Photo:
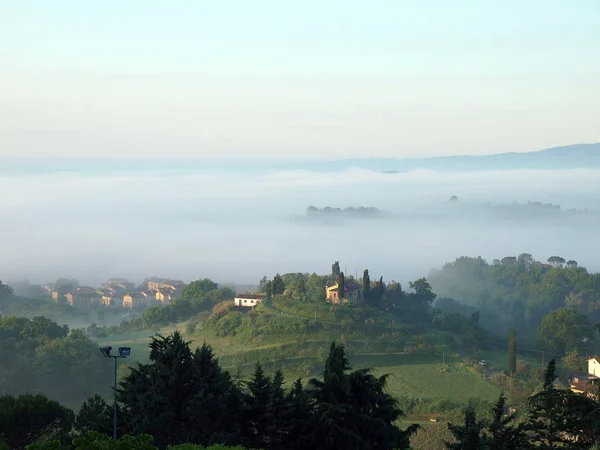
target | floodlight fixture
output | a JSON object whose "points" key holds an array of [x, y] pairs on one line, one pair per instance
{"points": [[106, 351], [124, 351]]}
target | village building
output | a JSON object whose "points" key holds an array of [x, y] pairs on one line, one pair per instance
{"points": [[83, 296], [582, 383], [156, 284], [352, 292], [132, 300], [248, 300]]}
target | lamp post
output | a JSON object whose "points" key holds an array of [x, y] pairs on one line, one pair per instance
{"points": [[123, 352]]}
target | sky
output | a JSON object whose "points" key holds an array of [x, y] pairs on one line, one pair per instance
{"points": [[311, 79]]}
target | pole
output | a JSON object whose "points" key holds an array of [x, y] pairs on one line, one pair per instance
{"points": [[542, 359], [115, 403]]}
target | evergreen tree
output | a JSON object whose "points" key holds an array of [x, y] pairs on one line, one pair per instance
{"points": [[179, 395], [95, 415], [381, 289], [503, 436], [335, 269], [298, 417], [547, 418], [214, 407], [366, 285], [257, 414], [512, 352], [269, 289], [278, 286], [467, 436], [352, 410], [341, 286]]}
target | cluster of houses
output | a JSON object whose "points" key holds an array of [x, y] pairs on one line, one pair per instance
{"points": [[352, 293], [119, 292]]}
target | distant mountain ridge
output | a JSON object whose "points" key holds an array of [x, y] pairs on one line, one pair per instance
{"points": [[579, 156]]}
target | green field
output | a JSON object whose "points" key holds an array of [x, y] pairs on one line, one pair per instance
{"points": [[416, 376]]}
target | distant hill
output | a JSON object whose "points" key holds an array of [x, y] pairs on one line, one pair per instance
{"points": [[567, 157]]}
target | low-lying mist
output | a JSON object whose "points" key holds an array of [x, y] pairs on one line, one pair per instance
{"points": [[239, 226]]}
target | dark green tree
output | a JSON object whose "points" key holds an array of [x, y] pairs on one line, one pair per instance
{"points": [[257, 417], [278, 285], [467, 436], [269, 289], [28, 418], [352, 410], [335, 269], [556, 415], [501, 433], [380, 289], [366, 285], [341, 286], [512, 352], [297, 417], [214, 407], [95, 415], [196, 292], [156, 396]]}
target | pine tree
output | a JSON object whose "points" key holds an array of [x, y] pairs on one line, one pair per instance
{"points": [[366, 284], [503, 436], [546, 416], [512, 352], [341, 286], [257, 415], [467, 436], [381, 287], [352, 410], [95, 415]]}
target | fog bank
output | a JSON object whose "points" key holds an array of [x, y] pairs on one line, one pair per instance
{"points": [[236, 226]]}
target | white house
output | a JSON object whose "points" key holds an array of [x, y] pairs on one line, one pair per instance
{"points": [[248, 300], [594, 366]]}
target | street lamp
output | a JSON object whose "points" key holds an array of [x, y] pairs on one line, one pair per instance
{"points": [[123, 352]]}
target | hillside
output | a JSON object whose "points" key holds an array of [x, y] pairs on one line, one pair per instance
{"points": [[567, 157]]}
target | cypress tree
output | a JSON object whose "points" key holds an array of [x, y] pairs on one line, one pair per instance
{"points": [[269, 289], [341, 285], [512, 352], [366, 285], [381, 289]]}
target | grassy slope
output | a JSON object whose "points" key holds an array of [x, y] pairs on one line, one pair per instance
{"points": [[417, 376]]}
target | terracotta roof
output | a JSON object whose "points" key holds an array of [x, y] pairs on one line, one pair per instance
{"points": [[349, 286]]}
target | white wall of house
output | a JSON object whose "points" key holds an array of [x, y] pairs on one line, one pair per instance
{"points": [[248, 302], [594, 367]]}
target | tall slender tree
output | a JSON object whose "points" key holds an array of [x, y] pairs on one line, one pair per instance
{"points": [[366, 285], [341, 285], [269, 288], [352, 410], [467, 436], [512, 352]]}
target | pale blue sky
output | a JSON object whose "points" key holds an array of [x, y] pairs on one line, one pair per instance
{"points": [[297, 78]]}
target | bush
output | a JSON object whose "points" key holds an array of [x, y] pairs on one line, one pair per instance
{"points": [[523, 367]]}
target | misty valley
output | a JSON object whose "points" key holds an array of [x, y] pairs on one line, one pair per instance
{"points": [[459, 304]]}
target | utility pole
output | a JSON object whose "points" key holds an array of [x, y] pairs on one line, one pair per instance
{"points": [[542, 359]]}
